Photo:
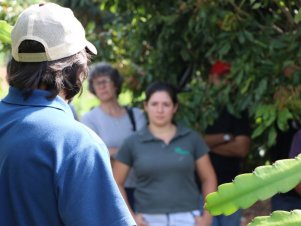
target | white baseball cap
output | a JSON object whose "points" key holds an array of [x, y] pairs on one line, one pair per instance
{"points": [[55, 27]]}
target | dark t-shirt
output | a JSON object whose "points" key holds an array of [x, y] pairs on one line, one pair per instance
{"points": [[282, 148], [227, 168]]}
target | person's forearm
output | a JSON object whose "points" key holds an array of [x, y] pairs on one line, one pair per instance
{"points": [[238, 147], [213, 140], [230, 149], [123, 193], [208, 186]]}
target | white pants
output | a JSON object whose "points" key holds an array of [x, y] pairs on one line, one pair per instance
{"points": [[171, 219]]}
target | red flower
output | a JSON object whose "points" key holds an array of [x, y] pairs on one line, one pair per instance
{"points": [[220, 68]]}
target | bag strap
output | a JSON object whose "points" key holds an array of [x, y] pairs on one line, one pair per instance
{"points": [[130, 112]]}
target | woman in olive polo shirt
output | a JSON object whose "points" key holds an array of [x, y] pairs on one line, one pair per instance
{"points": [[165, 157]]}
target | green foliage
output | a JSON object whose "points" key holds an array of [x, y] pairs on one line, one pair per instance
{"points": [[279, 218], [9, 11], [5, 30], [248, 188], [178, 41]]}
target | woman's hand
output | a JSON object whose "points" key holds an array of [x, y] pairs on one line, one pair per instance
{"points": [[140, 220], [202, 221]]}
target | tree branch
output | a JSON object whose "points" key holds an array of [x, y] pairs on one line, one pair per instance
{"points": [[278, 29], [287, 14], [239, 10]]}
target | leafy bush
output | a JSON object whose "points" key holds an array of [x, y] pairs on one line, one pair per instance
{"points": [[178, 41]]}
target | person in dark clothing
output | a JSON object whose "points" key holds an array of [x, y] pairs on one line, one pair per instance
{"points": [[228, 139], [281, 150], [229, 142]]}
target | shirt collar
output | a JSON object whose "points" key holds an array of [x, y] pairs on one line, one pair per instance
{"points": [[38, 98], [145, 134]]}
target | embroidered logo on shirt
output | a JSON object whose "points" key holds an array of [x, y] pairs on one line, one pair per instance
{"points": [[181, 151]]}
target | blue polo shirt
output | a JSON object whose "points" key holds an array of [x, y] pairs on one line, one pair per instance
{"points": [[53, 170]]}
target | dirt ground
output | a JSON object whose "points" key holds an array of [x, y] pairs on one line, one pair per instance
{"points": [[260, 208]]}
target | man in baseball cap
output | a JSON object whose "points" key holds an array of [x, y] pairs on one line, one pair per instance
{"points": [[54, 171]]}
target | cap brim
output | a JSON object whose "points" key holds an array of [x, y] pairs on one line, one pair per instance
{"points": [[91, 48]]}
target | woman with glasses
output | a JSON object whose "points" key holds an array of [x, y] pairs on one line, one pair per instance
{"points": [[111, 121]]}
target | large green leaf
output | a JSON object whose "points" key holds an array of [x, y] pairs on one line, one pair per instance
{"points": [[246, 189], [5, 30], [283, 117], [279, 218]]}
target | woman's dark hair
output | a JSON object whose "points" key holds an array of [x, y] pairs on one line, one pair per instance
{"points": [[105, 69], [63, 75], [162, 86]]}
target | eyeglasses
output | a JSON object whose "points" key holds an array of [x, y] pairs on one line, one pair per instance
{"points": [[101, 83]]}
